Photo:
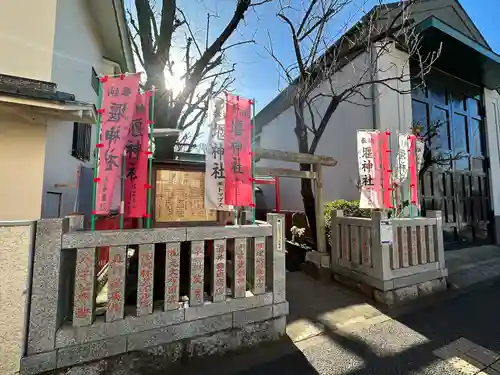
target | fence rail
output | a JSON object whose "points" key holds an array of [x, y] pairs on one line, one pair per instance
{"points": [[232, 275]]}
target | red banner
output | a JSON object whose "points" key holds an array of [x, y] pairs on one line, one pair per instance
{"points": [[118, 104], [412, 166], [136, 159], [238, 152], [386, 171], [377, 161]]}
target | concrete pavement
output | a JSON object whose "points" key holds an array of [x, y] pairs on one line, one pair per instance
{"points": [[458, 336]]}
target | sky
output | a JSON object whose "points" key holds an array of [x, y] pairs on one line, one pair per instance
{"points": [[257, 74]]}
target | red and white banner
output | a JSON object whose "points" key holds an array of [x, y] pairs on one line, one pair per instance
{"points": [[386, 170], [136, 160], [369, 164], [118, 105], [238, 152]]}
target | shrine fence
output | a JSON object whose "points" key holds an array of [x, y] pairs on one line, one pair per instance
{"points": [[388, 254], [241, 282]]}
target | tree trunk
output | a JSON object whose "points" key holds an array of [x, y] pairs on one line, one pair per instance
{"points": [[309, 201], [164, 146], [306, 186]]}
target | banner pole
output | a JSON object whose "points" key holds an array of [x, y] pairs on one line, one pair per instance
{"points": [[150, 160], [122, 190], [96, 156], [254, 208], [391, 178], [409, 184]]}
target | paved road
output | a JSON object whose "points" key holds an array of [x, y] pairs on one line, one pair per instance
{"points": [[403, 345]]}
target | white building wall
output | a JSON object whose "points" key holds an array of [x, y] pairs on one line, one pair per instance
{"points": [[77, 50], [492, 103], [338, 141], [393, 110]]}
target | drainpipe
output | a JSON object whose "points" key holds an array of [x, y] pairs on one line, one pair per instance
{"points": [[121, 22]]}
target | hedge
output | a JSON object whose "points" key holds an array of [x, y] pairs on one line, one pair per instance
{"points": [[350, 208]]}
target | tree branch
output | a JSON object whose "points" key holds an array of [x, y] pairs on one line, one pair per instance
{"points": [[166, 29], [200, 65], [143, 10]]}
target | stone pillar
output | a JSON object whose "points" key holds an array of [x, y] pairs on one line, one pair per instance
{"points": [[75, 222], [16, 251], [275, 260], [276, 271], [44, 315], [335, 237], [68, 268], [438, 237], [380, 251]]}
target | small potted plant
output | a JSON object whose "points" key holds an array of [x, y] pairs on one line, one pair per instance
{"points": [[296, 249]]}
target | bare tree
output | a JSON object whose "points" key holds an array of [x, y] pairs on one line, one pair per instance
{"points": [[156, 27], [320, 54], [433, 154]]}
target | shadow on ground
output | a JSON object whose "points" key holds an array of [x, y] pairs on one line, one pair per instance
{"points": [[334, 330], [264, 359], [314, 305]]}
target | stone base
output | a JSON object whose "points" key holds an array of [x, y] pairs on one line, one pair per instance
{"points": [[316, 272], [397, 296], [317, 266], [410, 293], [162, 357], [366, 289]]}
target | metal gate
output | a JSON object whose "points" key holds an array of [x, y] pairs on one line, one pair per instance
{"points": [[459, 189]]}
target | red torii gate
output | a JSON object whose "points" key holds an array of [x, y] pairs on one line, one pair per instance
{"points": [[275, 180]]}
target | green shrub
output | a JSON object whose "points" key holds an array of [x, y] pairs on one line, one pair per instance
{"points": [[350, 208]]}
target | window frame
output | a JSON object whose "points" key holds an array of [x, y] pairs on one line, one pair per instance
{"points": [[81, 150]]}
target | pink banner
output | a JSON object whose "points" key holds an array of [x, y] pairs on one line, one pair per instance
{"points": [[118, 103], [136, 160], [412, 166], [238, 152], [386, 171]]}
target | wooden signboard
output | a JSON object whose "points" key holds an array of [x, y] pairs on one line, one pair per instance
{"points": [[179, 194]]}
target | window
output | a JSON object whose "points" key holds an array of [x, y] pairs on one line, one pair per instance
{"points": [[82, 134], [95, 81]]}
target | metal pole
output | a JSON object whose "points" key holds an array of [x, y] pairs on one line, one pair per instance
{"points": [[150, 167], [96, 156], [254, 208], [122, 190]]}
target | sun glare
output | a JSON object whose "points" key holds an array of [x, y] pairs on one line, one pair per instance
{"points": [[174, 82]]}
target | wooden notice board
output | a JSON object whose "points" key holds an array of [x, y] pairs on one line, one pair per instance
{"points": [[179, 194]]}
